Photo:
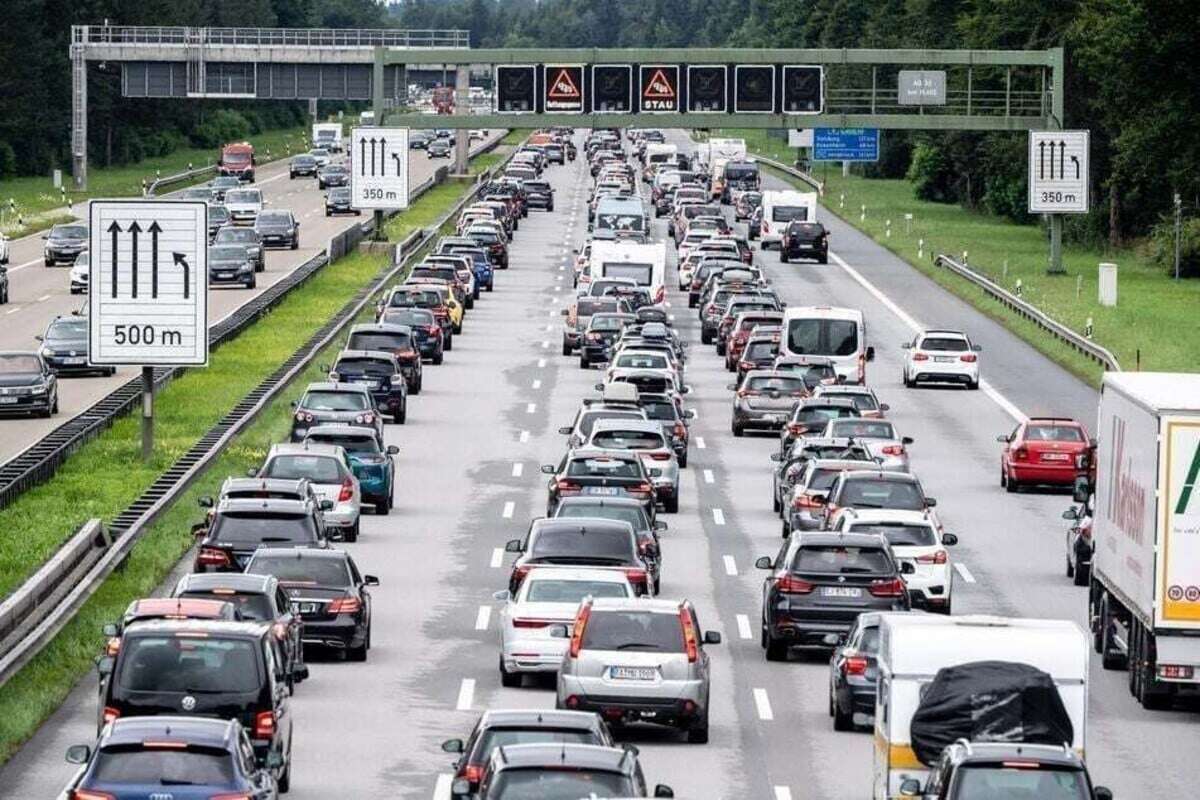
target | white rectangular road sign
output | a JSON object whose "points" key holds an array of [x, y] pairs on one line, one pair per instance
{"points": [[1058, 172], [379, 168], [148, 293]]}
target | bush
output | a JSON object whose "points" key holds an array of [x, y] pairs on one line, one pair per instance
{"points": [[220, 127], [932, 173], [1162, 247]]}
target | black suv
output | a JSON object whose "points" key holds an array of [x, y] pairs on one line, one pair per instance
{"points": [[229, 670], [1027, 770], [380, 372], [339, 201], [580, 542], [819, 584], [328, 403], [399, 340], [249, 237], [239, 527], [804, 240], [426, 330]]}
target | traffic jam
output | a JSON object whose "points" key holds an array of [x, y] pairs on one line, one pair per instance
{"points": [[679, 272]]}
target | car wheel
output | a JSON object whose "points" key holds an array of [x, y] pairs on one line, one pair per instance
{"points": [[1081, 576], [253, 284], [785, 529], [842, 722], [438, 357], [683, 460], [1110, 657], [783, 256], [490, 287], [584, 363], [1070, 567], [296, 243], [705, 337], [698, 733], [738, 430], [509, 680], [823, 260], [972, 385], [1011, 485], [285, 780], [449, 345], [402, 417], [359, 654], [352, 534], [672, 504], [776, 650], [54, 406], [692, 303], [1003, 477], [566, 348], [721, 348], [456, 328], [657, 585]]}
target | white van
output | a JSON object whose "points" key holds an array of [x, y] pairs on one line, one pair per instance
{"points": [[644, 263], [838, 333], [913, 647], [780, 208], [659, 154]]}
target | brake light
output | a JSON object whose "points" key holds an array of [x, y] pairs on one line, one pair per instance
{"points": [[805, 501], [530, 623], [746, 392], [893, 450], [745, 366], [347, 492], [1021, 454], [344, 605], [854, 665], [434, 330], [472, 773], [234, 796], [564, 485], [89, 794], [661, 456], [212, 557], [264, 725], [932, 558], [519, 574], [641, 489], [797, 427], [892, 587], [862, 368], [790, 584], [970, 358], [689, 635], [110, 714], [660, 295], [581, 621], [407, 354], [765, 227], [636, 576], [920, 357]]}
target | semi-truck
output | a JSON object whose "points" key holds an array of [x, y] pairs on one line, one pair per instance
{"points": [[328, 135], [1144, 590]]}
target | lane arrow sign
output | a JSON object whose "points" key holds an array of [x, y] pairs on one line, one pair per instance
{"points": [[155, 230], [382, 157], [372, 155], [399, 164], [181, 261], [1041, 160], [135, 229], [114, 229], [362, 156], [1062, 157], [1075, 161]]}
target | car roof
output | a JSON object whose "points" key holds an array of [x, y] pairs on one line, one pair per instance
{"points": [[879, 474], [590, 756], [380, 327], [943, 332], [1059, 755], [883, 515], [655, 605], [217, 733], [375, 355], [335, 429], [235, 484], [543, 718], [247, 582], [825, 538], [600, 452], [843, 464], [770, 373], [581, 525], [305, 553], [632, 423], [242, 628], [267, 505]]}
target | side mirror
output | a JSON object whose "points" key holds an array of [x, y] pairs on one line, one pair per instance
{"points": [[45, 236], [910, 787], [453, 746], [1093, 442], [599, 387], [370, 580], [104, 665], [200, 529], [558, 631], [565, 313], [930, 502], [1082, 489], [252, 473], [1102, 793], [1002, 438], [662, 790], [110, 629], [40, 338], [549, 469], [870, 354], [513, 546], [712, 637], [731, 387], [275, 760], [205, 502], [977, 348], [78, 753], [503, 594], [949, 539], [689, 414], [327, 505], [905, 345], [776, 456], [660, 524], [300, 673], [1071, 513], [686, 390], [884, 407], [906, 440], [907, 568], [764, 562]]}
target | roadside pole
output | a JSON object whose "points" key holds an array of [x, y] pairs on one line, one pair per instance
{"points": [[377, 108], [462, 136]]}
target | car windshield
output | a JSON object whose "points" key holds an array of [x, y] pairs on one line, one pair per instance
{"points": [[862, 429], [900, 534], [944, 344], [217, 213], [599, 323], [631, 514], [559, 591], [839, 560], [364, 340], [189, 664], [878, 493], [228, 253], [243, 196], [363, 366], [252, 606], [339, 193], [19, 362], [238, 527], [823, 337], [318, 469], [67, 329], [69, 232], [304, 161], [237, 235], [290, 570], [483, 235], [583, 542], [275, 218], [334, 401], [998, 781], [628, 440], [633, 631], [603, 467], [132, 765], [352, 444], [543, 784], [1053, 433]]}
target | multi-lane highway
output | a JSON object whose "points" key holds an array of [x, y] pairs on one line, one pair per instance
{"points": [[468, 480], [38, 293]]}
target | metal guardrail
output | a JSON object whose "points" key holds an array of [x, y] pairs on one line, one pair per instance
{"points": [[1082, 344], [790, 170], [178, 177], [268, 37]]}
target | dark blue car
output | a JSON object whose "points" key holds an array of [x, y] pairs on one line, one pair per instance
{"points": [[184, 758], [482, 266]]}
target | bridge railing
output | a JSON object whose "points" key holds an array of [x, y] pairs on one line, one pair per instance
{"points": [[267, 37]]}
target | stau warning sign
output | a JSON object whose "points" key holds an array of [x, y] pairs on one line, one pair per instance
{"points": [[660, 88], [564, 88]]}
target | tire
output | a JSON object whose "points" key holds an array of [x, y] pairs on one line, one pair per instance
{"points": [[692, 303], [698, 733], [683, 459], [439, 358], [285, 780], [449, 344], [584, 363], [842, 722], [359, 654], [253, 284], [705, 337], [783, 256], [785, 529], [416, 387], [737, 430], [566, 349], [509, 680], [671, 504], [490, 287], [1082, 575], [296, 243], [973, 385], [1011, 485], [823, 260], [456, 328], [352, 534], [382, 506], [402, 417], [1070, 568], [776, 650], [1004, 479], [1110, 658], [722, 346], [776, 506]]}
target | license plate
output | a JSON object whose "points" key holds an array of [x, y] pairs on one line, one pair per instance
{"points": [[1056, 456], [633, 673], [7, 401], [772, 418], [943, 359], [362, 382], [609, 490], [308, 608], [841, 591], [74, 360], [224, 275]]}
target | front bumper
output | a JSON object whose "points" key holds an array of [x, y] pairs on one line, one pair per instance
{"points": [[64, 363], [24, 404], [230, 277], [68, 255], [278, 239]]}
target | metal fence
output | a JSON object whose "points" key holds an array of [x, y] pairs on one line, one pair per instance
{"points": [[267, 37]]}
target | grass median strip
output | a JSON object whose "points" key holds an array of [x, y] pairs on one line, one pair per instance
{"points": [[106, 475]]}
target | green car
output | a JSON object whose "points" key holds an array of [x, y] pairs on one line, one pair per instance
{"points": [[371, 463]]}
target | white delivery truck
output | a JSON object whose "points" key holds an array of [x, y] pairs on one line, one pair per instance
{"points": [[782, 207], [328, 135], [658, 154], [1144, 599], [644, 263], [720, 152], [913, 647]]}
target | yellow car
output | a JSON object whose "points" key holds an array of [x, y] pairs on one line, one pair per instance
{"points": [[454, 308]]}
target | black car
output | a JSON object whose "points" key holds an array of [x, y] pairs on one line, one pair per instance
{"points": [[231, 264], [540, 194], [804, 240], [820, 582], [339, 201], [221, 184], [810, 415], [65, 347], [218, 217], [622, 509], [334, 403], [602, 473], [64, 242], [333, 175], [439, 148], [278, 228], [426, 331], [27, 385], [239, 527], [248, 238], [597, 339], [328, 592], [399, 340], [303, 164], [419, 140], [4, 285], [590, 542], [258, 598], [203, 668], [380, 373], [854, 675]]}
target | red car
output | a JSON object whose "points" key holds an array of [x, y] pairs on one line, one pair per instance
{"points": [[1047, 451]]}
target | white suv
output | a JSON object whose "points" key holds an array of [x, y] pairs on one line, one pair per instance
{"points": [[946, 356], [918, 547]]}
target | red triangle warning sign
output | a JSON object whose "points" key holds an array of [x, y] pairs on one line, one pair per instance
{"points": [[563, 87], [659, 88]]}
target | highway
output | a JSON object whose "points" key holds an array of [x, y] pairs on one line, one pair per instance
{"points": [[38, 293], [469, 480]]}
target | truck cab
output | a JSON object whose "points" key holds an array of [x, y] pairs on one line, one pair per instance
{"points": [[237, 159], [1003, 769]]}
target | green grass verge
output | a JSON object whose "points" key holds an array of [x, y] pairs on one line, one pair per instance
{"points": [[106, 474], [1155, 317], [516, 135]]}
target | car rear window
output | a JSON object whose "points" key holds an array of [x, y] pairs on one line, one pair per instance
{"points": [[351, 444], [587, 307], [294, 571], [538, 782], [227, 253], [604, 468], [628, 440], [642, 361], [823, 413], [407, 317], [863, 402], [589, 542], [251, 606], [823, 479], [863, 429], [633, 631], [769, 383], [173, 767], [661, 410], [379, 341], [806, 229], [839, 560], [334, 401], [762, 350], [900, 534], [190, 664], [872, 493], [631, 514], [943, 344], [318, 469], [367, 366], [255, 528], [1053, 433], [558, 591]]}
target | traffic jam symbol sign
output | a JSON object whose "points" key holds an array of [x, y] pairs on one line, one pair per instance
{"points": [[563, 91], [1058, 172], [660, 89], [148, 303], [379, 168]]}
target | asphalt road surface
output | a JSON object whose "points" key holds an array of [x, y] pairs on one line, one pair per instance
{"points": [[469, 481]]}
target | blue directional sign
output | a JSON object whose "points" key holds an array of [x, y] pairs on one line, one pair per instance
{"points": [[846, 144]]}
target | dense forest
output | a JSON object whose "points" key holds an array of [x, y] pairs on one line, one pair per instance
{"points": [[1132, 78]]}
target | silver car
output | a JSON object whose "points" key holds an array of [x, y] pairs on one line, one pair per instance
{"points": [[651, 443], [638, 660], [327, 467], [888, 448]]}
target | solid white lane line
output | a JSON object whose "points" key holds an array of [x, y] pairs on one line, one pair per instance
{"points": [[531, 408], [730, 565], [509, 508], [497, 557], [761, 702], [483, 617], [964, 572], [718, 516], [466, 695], [524, 437], [12, 311], [518, 468], [537, 384], [708, 476], [700, 442], [441, 790], [743, 625], [783, 793]]}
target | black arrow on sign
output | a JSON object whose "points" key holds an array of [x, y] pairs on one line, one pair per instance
{"points": [[383, 156], [362, 156], [181, 261], [372, 155], [1041, 160], [135, 229], [1062, 157], [155, 229], [114, 229], [1052, 148], [1075, 161], [399, 166]]}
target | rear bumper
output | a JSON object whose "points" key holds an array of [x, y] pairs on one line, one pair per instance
{"points": [[764, 419], [342, 632], [533, 655], [1054, 474]]}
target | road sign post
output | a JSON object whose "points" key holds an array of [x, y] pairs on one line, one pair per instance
{"points": [[1058, 182], [379, 168], [148, 304]]}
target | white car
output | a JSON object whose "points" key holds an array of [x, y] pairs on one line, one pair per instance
{"points": [[548, 596], [3, 249], [879, 436], [80, 271], [943, 356], [328, 469], [918, 547], [244, 205], [321, 155]]}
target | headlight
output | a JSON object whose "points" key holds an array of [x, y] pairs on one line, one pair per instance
{"points": [[246, 267], [39, 388]]}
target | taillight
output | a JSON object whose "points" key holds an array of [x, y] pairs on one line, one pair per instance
{"points": [[745, 366], [581, 621], [747, 392], [805, 501], [920, 357], [90, 794], [112, 646], [234, 796], [347, 492], [521, 622], [641, 489], [765, 227], [264, 725], [680, 430], [660, 295], [564, 485], [893, 450], [661, 456], [797, 427], [434, 330], [862, 368], [472, 773], [854, 665], [1020, 454], [110, 714], [689, 635], [892, 587], [636, 576], [932, 558], [519, 574], [344, 605], [970, 358], [790, 584], [1081, 461], [212, 557]]}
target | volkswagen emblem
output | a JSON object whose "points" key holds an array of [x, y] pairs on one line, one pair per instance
{"points": [[188, 703]]}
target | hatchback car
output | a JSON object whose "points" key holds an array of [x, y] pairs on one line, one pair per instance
{"points": [[603, 473], [804, 480], [380, 373], [622, 509], [810, 416], [875, 489], [28, 385], [231, 264], [327, 468], [648, 439], [373, 465], [804, 240], [887, 447], [333, 403], [1046, 451], [339, 201], [597, 339], [304, 165], [584, 542], [634, 660], [916, 541], [426, 331], [248, 238], [941, 356], [64, 243], [244, 205], [854, 675], [278, 228], [524, 771], [863, 397], [65, 347], [765, 400]]}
